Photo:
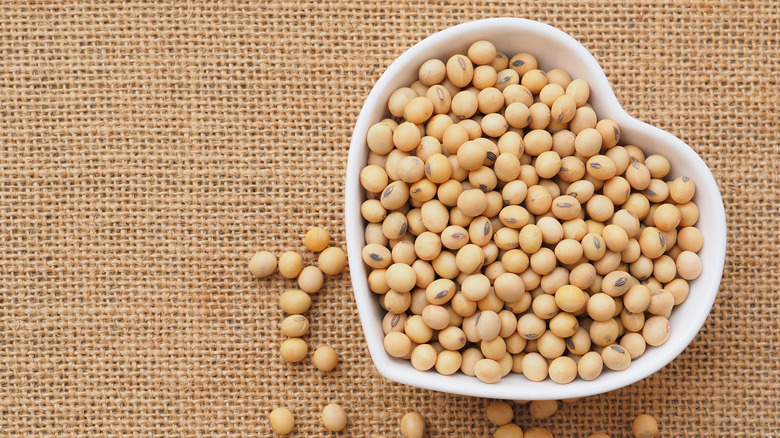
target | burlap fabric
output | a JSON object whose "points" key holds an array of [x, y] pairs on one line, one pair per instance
{"points": [[149, 148]]}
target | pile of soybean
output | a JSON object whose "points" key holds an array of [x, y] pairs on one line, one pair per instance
{"points": [[508, 229], [295, 303], [499, 413]]}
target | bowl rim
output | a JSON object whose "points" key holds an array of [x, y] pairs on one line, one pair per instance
{"points": [[385, 364]]}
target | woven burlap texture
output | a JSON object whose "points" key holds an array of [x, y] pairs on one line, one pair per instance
{"points": [[148, 149]]}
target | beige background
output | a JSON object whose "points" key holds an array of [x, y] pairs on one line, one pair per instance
{"points": [[148, 149]]}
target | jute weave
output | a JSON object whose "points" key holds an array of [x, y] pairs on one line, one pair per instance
{"points": [[147, 149]]}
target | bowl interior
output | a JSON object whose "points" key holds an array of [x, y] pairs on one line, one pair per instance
{"points": [[553, 49]]}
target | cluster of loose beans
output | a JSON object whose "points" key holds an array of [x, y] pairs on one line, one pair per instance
{"points": [[296, 302], [509, 231], [501, 414], [334, 419]]}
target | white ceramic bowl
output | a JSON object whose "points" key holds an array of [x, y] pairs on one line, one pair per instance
{"points": [[554, 49]]}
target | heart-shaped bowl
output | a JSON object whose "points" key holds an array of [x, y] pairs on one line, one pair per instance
{"points": [[553, 49]]}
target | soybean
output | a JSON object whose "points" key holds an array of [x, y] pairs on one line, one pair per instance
{"points": [[508, 431], [689, 265], [332, 261], [262, 264], [334, 418], [412, 425], [294, 301], [537, 432], [397, 344], [644, 426], [423, 357], [310, 279], [563, 370], [325, 358], [459, 70], [615, 357], [541, 409], [317, 239], [432, 72], [488, 371], [294, 350], [295, 326], [282, 421], [290, 264], [499, 413], [448, 362], [656, 330]]}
